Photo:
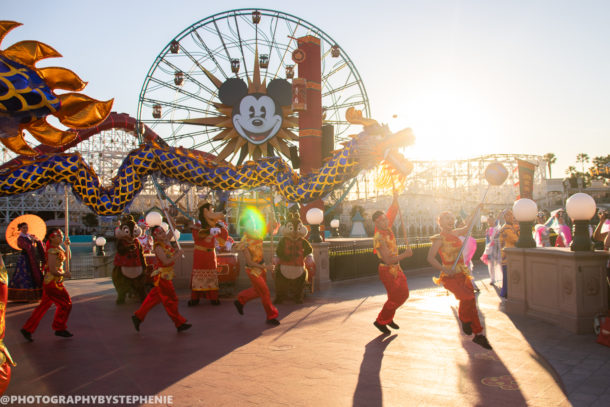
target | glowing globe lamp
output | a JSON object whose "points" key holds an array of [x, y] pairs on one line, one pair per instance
{"points": [[154, 219], [315, 217], [581, 208], [525, 211], [100, 242]]}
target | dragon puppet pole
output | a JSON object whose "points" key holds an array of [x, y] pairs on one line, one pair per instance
{"points": [[402, 225], [495, 174], [170, 221], [67, 227], [476, 214]]}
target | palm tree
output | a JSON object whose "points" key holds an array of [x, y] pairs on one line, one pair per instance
{"points": [[571, 171], [550, 159], [582, 158]]}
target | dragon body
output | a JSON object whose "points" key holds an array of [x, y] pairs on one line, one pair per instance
{"points": [[27, 98], [368, 149]]}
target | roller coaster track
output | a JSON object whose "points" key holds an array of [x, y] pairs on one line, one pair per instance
{"points": [[121, 121]]}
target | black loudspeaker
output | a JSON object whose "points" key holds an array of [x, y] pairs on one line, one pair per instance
{"points": [[294, 157], [328, 140]]}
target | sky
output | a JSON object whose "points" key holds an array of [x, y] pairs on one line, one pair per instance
{"points": [[469, 77]]}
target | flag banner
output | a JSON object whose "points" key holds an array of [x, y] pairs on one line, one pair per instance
{"points": [[526, 179]]}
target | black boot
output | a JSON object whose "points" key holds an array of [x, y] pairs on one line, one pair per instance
{"points": [[239, 306], [273, 322], [482, 341], [184, 327], [384, 329], [63, 333], [136, 322], [27, 335], [192, 303], [393, 325], [467, 328]]}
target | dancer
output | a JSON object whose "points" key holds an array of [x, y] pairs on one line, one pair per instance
{"points": [[447, 245], [492, 255], [6, 362], [509, 234], [53, 290], [541, 231], [564, 234], [163, 291], [206, 234], [26, 282], [390, 272], [251, 245]]}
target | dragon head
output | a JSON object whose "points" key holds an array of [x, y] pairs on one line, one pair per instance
{"points": [[378, 145], [27, 97]]}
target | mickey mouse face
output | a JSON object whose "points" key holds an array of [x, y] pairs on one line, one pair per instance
{"points": [[257, 119]]}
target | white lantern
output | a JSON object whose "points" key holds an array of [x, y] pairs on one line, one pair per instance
{"points": [[581, 206], [334, 223], [314, 216], [154, 219], [483, 218], [165, 226], [525, 210], [100, 241], [176, 235]]}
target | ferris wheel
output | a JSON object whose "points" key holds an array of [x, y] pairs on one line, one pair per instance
{"points": [[184, 95]]}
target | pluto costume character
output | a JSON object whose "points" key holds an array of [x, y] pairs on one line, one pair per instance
{"points": [[291, 250], [128, 274]]}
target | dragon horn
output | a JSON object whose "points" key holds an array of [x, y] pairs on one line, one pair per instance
{"points": [[6, 26], [355, 117]]}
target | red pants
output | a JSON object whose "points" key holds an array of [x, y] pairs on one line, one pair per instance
{"points": [[259, 289], [461, 286], [209, 294], [5, 376], [162, 293], [398, 292], [52, 293]]}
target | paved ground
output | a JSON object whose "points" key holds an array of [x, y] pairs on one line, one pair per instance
{"points": [[326, 352]]}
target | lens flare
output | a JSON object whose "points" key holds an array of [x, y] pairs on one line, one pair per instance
{"points": [[253, 222]]}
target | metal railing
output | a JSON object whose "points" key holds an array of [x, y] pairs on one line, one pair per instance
{"points": [[355, 259]]}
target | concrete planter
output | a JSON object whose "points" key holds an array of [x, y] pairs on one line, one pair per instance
{"points": [[557, 285]]}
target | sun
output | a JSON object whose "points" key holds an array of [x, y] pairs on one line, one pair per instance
{"points": [[255, 118]]}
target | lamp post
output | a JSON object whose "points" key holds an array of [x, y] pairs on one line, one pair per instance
{"points": [[334, 224], [525, 211], [100, 242], [154, 219], [314, 217], [581, 208]]}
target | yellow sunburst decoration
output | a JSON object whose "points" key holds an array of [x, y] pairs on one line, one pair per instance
{"points": [[254, 117], [27, 97]]}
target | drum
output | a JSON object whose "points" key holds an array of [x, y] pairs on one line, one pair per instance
{"points": [[228, 267]]}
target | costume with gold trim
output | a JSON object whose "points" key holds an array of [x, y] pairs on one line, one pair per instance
{"points": [[53, 292], [163, 290], [391, 275]]}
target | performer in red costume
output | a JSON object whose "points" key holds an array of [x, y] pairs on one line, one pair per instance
{"points": [[390, 272], [163, 291], [447, 245], [26, 282], [5, 357], [252, 247], [206, 236], [53, 290]]}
